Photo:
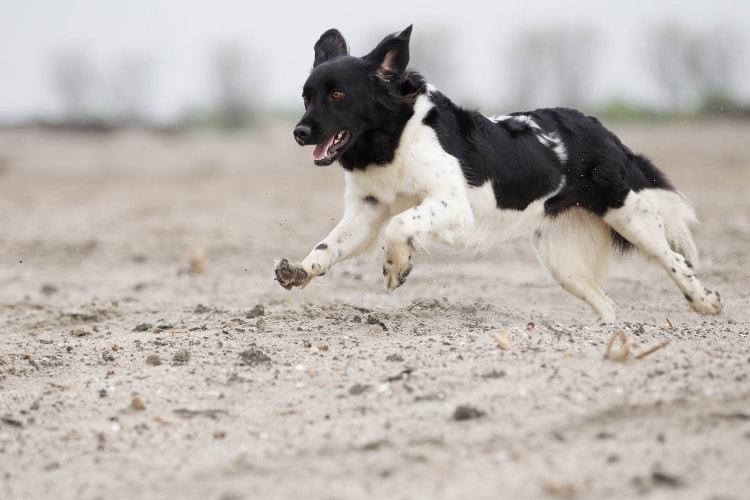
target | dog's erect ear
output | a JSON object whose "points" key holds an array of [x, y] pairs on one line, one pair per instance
{"points": [[331, 44], [391, 56]]}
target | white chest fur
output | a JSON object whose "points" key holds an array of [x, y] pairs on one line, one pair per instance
{"points": [[423, 170]]}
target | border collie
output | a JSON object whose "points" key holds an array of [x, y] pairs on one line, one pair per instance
{"points": [[422, 170]]}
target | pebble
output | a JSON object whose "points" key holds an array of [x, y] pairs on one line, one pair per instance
{"points": [[358, 389], [256, 311], [254, 357], [466, 413], [153, 359], [181, 357], [138, 404]]}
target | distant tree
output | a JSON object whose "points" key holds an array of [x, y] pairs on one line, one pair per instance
{"points": [[525, 69], [233, 87], [716, 66], [669, 51], [131, 90], [690, 68], [74, 80], [551, 64]]}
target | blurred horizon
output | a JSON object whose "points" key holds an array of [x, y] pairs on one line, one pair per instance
{"points": [[231, 64]]}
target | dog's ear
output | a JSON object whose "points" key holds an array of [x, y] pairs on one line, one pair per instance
{"points": [[391, 56], [331, 44]]}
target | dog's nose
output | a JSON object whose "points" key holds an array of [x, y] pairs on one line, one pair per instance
{"points": [[302, 134]]}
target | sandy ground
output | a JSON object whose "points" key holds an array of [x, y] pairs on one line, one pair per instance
{"points": [[147, 352]]}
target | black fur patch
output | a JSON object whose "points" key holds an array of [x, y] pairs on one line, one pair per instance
{"points": [[521, 170], [597, 175], [600, 169]]}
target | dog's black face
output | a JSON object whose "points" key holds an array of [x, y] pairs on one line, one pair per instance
{"points": [[346, 97]]}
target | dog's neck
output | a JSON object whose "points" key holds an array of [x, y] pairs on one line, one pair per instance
{"points": [[378, 146]]}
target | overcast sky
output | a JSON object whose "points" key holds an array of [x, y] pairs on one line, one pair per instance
{"points": [[177, 37]]}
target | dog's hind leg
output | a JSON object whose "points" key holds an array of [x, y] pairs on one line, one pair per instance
{"points": [[640, 221], [575, 247]]}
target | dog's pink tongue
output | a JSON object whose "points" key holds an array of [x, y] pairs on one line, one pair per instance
{"points": [[321, 149]]}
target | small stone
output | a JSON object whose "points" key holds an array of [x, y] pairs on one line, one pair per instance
{"points": [[143, 327], [394, 357], [201, 309], [181, 357], [153, 359], [9, 420], [138, 404], [374, 320], [466, 413], [494, 374], [256, 311], [254, 357], [358, 389]]}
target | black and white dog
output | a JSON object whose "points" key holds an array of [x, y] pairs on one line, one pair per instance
{"points": [[429, 171]]}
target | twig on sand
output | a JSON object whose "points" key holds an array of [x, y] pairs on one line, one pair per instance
{"points": [[661, 345], [669, 326], [622, 353], [627, 347], [501, 337]]}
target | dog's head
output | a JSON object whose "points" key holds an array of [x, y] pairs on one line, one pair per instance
{"points": [[345, 96]]}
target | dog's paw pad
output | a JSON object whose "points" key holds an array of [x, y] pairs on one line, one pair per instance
{"points": [[290, 275], [395, 278], [706, 303]]}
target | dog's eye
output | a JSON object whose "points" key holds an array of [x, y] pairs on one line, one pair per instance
{"points": [[305, 100], [336, 95]]}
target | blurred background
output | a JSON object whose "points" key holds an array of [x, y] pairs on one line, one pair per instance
{"points": [[231, 64]]}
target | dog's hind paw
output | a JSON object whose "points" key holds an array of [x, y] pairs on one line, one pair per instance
{"points": [[706, 302], [290, 275]]}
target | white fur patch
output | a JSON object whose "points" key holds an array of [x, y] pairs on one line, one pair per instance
{"points": [[551, 140], [647, 219]]}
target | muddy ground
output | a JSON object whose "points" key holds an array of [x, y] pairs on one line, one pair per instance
{"points": [[147, 352]]}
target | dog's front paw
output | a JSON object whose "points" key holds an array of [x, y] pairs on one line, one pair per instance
{"points": [[290, 275], [396, 270]]}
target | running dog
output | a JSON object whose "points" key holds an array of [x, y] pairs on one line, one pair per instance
{"points": [[421, 170]]}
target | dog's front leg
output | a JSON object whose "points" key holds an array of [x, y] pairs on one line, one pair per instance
{"points": [[437, 218], [361, 224]]}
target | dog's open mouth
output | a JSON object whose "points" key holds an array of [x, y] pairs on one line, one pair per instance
{"points": [[327, 152]]}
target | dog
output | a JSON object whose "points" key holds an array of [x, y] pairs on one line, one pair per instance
{"points": [[422, 170]]}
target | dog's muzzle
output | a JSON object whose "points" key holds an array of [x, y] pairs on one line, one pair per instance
{"points": [[302, 134]]}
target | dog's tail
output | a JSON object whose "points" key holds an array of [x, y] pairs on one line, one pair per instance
{"points": [[678, 215]]}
